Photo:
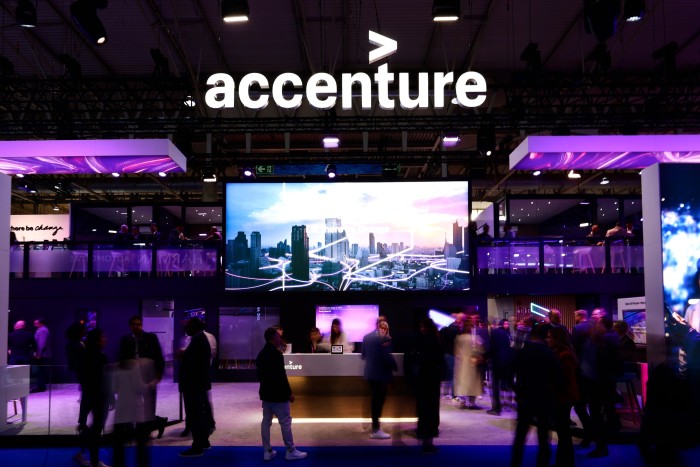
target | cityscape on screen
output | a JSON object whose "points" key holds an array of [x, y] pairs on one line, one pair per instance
{"points": [[354, 236]]}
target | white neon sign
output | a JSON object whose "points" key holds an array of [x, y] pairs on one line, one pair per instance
{"points": [[321, 90]]}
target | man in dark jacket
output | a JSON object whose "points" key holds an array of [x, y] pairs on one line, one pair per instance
{"points": [[275, 394], [538, 378], [501, 355], [20, 345], [145, 345], [194, 382], [379, 369]]}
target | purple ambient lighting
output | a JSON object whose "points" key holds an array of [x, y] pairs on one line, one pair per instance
{"points": [[90, 156], [603, 152]]}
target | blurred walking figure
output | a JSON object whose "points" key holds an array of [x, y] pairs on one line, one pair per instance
{"points": [[431, 367], [133, 416]]}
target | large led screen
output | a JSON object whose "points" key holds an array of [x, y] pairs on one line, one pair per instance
{"points": [[348, 236], [680, 237]]}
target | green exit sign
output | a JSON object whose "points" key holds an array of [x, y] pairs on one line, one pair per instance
{"points": [[264, 169]]}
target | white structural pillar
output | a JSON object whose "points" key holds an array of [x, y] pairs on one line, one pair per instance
{"points": [[5, 187]]}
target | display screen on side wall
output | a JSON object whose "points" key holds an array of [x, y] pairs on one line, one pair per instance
{"points": [[680, 236], [346, 236]]}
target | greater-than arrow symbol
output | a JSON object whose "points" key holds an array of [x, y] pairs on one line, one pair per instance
{"points": [[385, 46]]}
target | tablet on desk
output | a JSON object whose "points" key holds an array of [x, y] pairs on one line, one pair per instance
{"points": [[336, 349]]}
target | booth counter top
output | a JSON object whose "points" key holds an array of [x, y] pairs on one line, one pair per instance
{"points": [[326, 364]]}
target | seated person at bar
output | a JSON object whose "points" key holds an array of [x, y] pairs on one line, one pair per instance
{"points": [[336, 337], [311, 343]]}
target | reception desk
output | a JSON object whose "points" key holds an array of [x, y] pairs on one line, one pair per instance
{"points": [[332, 386]]}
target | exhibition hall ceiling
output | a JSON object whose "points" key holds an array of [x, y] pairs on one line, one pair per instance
{"points": [[545, 74]]}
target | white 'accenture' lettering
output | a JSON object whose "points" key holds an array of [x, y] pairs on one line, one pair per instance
{"points": [[321, 90]]}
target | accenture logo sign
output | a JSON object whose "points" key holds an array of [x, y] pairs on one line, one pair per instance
{"points": [[254, 90]]}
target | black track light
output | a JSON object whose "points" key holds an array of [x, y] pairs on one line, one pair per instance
{"points": [[331, 171], [84, 14], [234, 11], [26, 13]]}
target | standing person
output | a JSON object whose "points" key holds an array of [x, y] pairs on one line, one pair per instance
{"points": [[501, 355], [276, 395], [209, 408], [75, 354], [379, 368], [194, 382], [42, 338], [145, 345], [20, 345], [537, 377], [336, 337], [155, 235], [484, 238], [469, 355], [558, 340], [603, 349], [431, 367], [447, 338], [97, 390], [580, 337], [136, 236]]}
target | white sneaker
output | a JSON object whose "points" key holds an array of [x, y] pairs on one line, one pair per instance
{"points": [[295, 455], [268, 455], [379, 434]]}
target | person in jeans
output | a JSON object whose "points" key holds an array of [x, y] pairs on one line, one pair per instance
{"points": [[276, 395], [379, 368]]}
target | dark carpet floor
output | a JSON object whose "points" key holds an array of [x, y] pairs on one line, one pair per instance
{"points": [[408, 456]]}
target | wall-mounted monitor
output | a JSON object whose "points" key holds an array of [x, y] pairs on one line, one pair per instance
{"points": [[347, 236], [356, 320]]}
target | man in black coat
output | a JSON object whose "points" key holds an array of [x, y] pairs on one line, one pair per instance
{"points": [[194, 382], [501, 355], [275, 394], [20, 345], [145, 345]]}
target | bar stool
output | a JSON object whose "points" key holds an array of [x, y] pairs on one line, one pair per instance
{"points": [[583, 261], [78, 260]]}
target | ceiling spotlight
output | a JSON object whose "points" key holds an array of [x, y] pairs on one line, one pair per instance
{"points": [[55, 207], [189, 101], [573, 174], [450, 139], [331, 141], [531, 55], [209, 176], [28, 187], [537, 173], [115, 174], [446, 10], [331, 171], [604, 181], [234, 11], [84, 14], [26, 13], [600, 18], [248, 172], [601, 56], [486, 140], [634, 10], [162, 174], [19, 175], [667, 53]]}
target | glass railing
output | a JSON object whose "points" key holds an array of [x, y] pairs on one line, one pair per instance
{"points": [[55, 410], [557, 256], [74, 260]]}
